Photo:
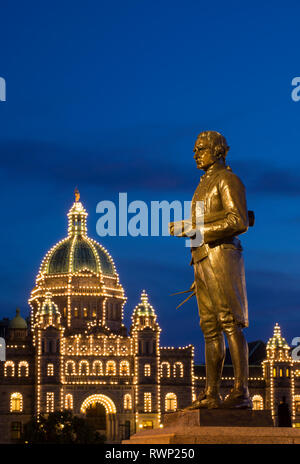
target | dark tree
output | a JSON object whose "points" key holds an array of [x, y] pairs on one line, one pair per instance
{"points": [[60, 427]]}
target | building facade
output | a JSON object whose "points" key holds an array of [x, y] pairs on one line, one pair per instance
{"points": [[74, 352]]}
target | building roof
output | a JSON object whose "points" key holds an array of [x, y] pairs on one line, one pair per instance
{"points": [[277, 341], [18, 322], [77, 252], [144, 308]]}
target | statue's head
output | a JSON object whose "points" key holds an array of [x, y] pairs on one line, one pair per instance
{"points": [[210, 147]]}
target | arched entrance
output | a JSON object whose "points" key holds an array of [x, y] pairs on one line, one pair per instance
{"points": [[100, 413]]}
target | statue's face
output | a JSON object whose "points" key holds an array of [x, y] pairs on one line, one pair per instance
{"points": [[204, 155]]}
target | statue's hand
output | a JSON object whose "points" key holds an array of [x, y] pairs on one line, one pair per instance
{"points": [[171, 228]]}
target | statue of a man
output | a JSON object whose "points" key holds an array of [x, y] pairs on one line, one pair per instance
{"points": [[219, 271]]}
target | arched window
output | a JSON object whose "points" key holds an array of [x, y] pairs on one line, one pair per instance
{"points": [[124, 368], [147, 370], [258, 402], [9, 369], [165, 369], [178, 369], [297, 404], [111, 368], [23, 369], [16, 402], [70, 368], [127, 401], [97, 368], [170, 402], [84, 368], [274, 372], [69, 401]]}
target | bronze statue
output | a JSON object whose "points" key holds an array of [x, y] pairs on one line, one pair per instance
{"points": [[220, 285]]}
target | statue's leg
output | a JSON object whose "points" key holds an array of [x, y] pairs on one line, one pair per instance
{"points": [[214, 342], [239, 396], [214, 359]]}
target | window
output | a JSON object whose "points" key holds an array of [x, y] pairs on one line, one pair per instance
{"points": [[280, 372], [147, 370], [170, 402], [50, 369], [70, 368], [287, 372], [124, 368], [49, 401], [16, 429], [50, 346], [147, 402], [127, 401], [75, 312], [23, 369], [258, 402], [9, 369], [111, 368], [297, 404], [69, 401], [147, 424], [83, 368], [65, 312], [274, 371], [97, 368], [178, 369], [85, 312], [165, 369], [16, 402]]}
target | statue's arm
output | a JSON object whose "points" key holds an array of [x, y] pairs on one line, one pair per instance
{"points": [[235, 220]]}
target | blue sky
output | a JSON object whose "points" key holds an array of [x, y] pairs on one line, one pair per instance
{"points": [[110, 96]]}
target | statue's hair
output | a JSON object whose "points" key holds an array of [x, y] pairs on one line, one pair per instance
{"points": [[217, 141]]}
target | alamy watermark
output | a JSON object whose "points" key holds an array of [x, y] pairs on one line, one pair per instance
{"points": [[138, 219], [2, 89], [296, 91]]}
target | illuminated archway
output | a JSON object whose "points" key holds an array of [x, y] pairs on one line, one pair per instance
{"points": [[109, 405]]}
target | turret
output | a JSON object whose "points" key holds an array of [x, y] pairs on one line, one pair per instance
{"points": [[146, 332], [277, 373]]}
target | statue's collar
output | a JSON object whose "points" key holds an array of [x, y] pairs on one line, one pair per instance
{"points": [[216, 167]]}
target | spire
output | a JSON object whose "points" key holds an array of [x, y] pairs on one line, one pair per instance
{"points": [[77, 217], [277, 345], [144, 308]]}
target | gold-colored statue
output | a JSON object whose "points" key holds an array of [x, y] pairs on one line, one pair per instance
{"points": [[77, 195], [219, 284]]}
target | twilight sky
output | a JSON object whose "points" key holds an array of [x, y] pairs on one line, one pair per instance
{"points": [[109, 97]]}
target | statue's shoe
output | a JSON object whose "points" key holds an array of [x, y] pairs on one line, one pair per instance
{"points": [[205, 401], [237, 400]]}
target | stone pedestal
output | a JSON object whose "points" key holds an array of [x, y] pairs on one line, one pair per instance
{"points": [[217, 426], [218, 418]]}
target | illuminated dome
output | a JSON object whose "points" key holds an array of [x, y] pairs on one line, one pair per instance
{"points": [[82, 280], [18, 322], [77, 252], [144, 308], [277, 341]]}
